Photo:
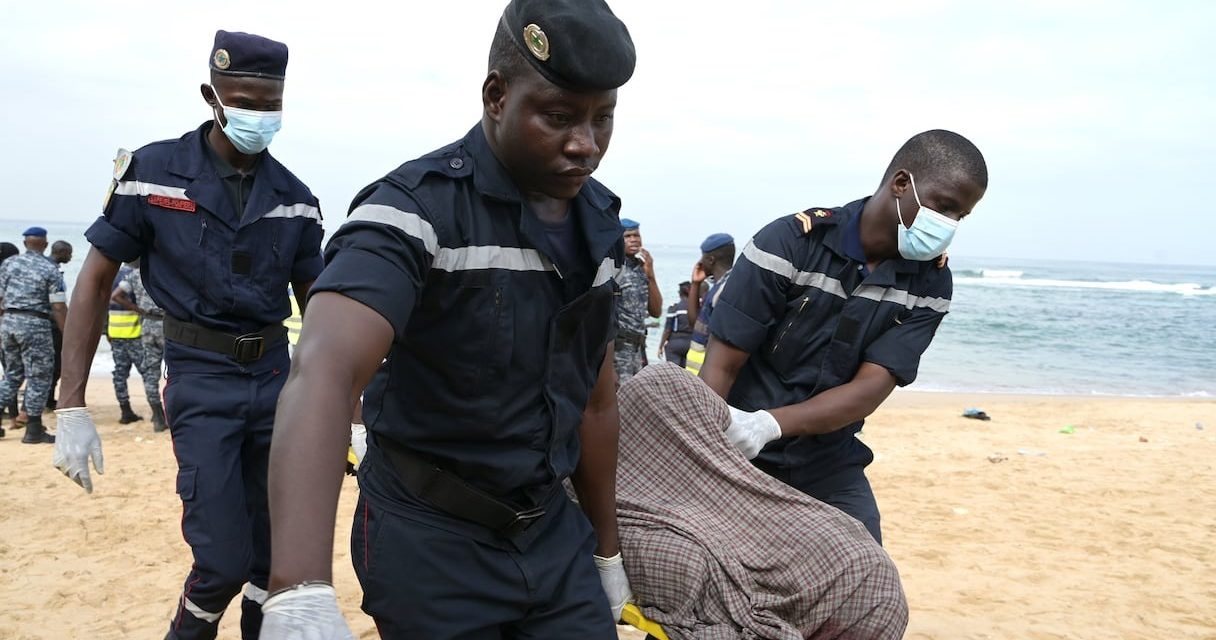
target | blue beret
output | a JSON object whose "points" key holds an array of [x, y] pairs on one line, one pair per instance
{"points": [[628, 224], [244, 54], [35, 231], [575, 44], [715, 241]]}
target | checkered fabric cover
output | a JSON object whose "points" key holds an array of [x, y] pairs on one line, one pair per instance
{"points": [[715, 548]]}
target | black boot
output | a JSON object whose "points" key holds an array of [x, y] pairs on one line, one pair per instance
{"points": [[128, 416], [158, 418], [35, 433]]}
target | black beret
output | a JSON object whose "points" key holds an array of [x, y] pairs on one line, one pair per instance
{"points": [[575, 44], [245, 54]]}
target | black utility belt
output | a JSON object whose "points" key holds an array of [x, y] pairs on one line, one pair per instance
{"points": [[29, 312], [154, 315], [244, 348], [447, 492], [638, 339]]}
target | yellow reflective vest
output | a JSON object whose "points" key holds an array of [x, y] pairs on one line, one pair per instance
{"points": [[123, 325]]}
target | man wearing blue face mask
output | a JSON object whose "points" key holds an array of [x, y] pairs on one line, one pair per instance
{"points": [[828, 309], [221, 229]]}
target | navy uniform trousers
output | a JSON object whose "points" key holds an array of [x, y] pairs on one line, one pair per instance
{"points": [[221, 426], [426, 574]]}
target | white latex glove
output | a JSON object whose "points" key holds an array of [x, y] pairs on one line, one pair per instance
{"points": [[76, 441], [358, 442], [615, 582], [306, 612], [749, 431]]}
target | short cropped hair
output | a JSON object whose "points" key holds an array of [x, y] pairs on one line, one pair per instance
{"points": [[940, 154], [505, 56]]}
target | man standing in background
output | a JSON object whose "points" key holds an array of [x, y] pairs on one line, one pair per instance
{"points": [[677, 330], [124, 330], [131, 295], [640, 298], [33, 301], [61, 254], [717, 259]]}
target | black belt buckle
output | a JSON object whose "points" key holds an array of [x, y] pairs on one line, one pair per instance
{"points": [[522, 521], [248, 348]]}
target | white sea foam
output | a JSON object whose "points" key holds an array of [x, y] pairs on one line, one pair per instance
{"points": [[1143, 286], [1001, 273]]}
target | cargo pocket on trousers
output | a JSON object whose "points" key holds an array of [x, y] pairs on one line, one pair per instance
{"points": [[186, 479]]}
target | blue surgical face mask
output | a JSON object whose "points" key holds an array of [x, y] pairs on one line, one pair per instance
{"points": [[930, 233], [250, 131]]}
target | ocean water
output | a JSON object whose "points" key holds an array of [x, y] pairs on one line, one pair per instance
{"points": [[1058, 327], [1015, 326]]}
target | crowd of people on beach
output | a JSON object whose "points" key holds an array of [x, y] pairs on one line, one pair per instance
{"points": [[31, 336], [468, 332]]}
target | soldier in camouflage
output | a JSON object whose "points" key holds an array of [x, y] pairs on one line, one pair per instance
{"points": [[131, 295], [124, 331], [640, 298], [33, 299]]}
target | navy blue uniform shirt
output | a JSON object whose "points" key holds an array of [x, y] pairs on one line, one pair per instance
{"points": [[496, 351], [199, 260], [809, 315]]}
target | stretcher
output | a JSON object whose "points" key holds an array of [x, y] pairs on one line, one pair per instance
{"points": [[633, 617]]}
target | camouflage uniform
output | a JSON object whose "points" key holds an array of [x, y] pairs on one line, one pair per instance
{"points": [[631, 322], [30, 284], [152, 331], [127, 353]]}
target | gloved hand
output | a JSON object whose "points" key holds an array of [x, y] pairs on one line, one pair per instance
{"points": [[749, 431], [615, 582], [304, 612], [358, 442], [76, 441]]}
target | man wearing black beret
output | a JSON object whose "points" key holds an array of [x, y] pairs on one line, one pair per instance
{"points": [[220, 229], [471, 293]]}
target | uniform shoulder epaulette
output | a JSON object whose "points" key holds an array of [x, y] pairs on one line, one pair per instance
{"points": [[806, 219]]}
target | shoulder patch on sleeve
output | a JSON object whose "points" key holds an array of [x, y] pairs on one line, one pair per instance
{"points": [[122, 162]]}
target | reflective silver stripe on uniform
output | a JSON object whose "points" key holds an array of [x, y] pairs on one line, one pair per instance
{"points": [[490, 257], [136, 188], [899, 296], [255, 593], [785, 269], [823, 282], [58, 297], [607, 271], [411, 224], [197, 611], [298, 210]]}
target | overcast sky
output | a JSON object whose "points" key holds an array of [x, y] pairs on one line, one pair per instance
{"points": [[1098, 119]]}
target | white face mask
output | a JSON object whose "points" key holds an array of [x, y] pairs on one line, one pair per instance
{"points": [[249, 131], [930, 233]]}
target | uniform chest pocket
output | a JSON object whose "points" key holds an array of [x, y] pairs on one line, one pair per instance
{"points": [[464, 326], [806, 327]]}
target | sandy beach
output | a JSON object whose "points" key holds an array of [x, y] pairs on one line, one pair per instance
{"points": [[1002, 529]]}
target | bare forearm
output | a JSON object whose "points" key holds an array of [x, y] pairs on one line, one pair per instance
{"points": [[59, 314], [694, 304], [300, 290], [82, 326], [307, 460], [835, 408], [595, 478], [654, 304], [722, 365]]}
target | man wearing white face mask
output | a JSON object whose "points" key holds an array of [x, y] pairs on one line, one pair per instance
{"points": [[221, 229], [828, 309]]}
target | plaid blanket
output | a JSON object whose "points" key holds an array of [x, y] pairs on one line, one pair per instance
{"points": [[715, 548]]}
